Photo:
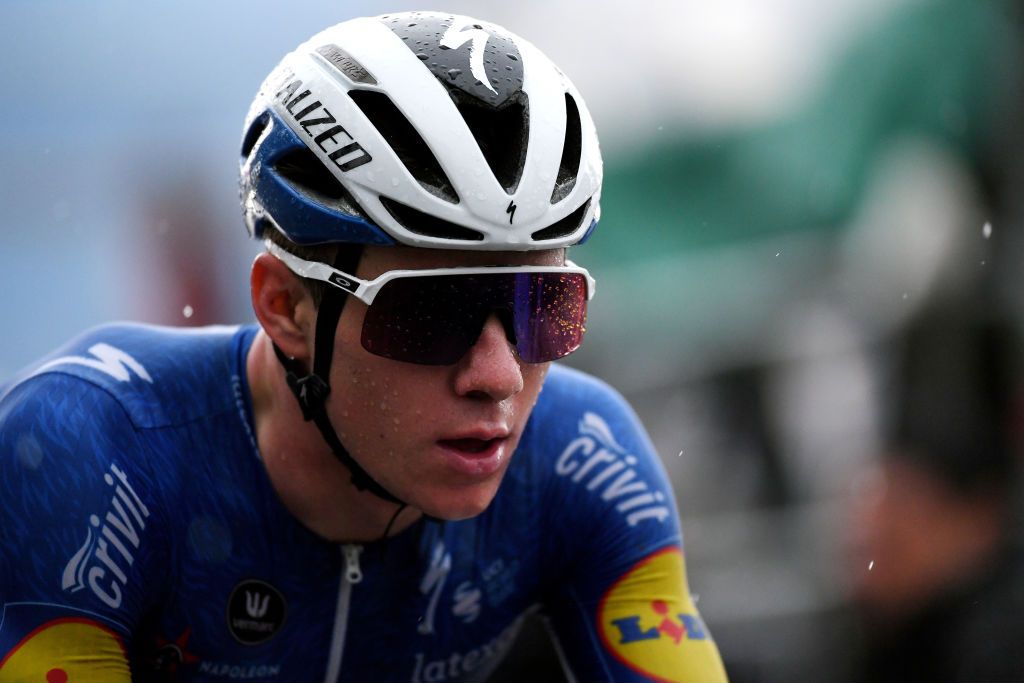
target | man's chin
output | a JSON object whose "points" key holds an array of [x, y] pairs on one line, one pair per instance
{"points": [[461, 504]]}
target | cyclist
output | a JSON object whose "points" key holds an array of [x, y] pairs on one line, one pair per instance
{"points": [[382, 478]]}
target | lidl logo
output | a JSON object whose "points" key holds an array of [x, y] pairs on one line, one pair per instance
{"points": [[67, 651], [673, 626], [649, 623]]}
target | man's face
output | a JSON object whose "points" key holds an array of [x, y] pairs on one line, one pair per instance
{"points": [[438, 437]]}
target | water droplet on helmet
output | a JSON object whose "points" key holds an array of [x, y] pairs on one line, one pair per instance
{"points": [[512, 57], [421, 56], [454, 73]]}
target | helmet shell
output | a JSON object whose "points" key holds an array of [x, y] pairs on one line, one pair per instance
{"points": [[420, 128]]}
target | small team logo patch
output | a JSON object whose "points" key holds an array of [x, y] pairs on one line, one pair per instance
{"points": [[649, 623], [256, 611]]}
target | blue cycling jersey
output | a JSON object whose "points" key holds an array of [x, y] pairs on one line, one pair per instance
{"points": [[138, 525]]}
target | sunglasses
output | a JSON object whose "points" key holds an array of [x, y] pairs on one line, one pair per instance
{"points": [[434, 316]]}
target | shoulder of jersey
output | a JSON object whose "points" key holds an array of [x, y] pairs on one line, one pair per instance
{"points": [[572, 403], [569, 393], [161, 376]]}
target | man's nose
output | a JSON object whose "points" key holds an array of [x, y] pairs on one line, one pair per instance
{"points": [[490, 367]]}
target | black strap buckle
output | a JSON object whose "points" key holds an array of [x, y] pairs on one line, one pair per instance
{"points": [[311, 391]]}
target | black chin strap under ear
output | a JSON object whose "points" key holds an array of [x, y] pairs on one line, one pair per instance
{"points": [[311, 390]]}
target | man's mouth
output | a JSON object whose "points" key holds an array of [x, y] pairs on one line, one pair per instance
{"points": [[469, 445]]}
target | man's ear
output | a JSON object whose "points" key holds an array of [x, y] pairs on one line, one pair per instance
{"points": [[283, 306]]}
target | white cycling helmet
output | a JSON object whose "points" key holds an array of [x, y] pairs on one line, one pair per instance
{"points": [[420, 128]]}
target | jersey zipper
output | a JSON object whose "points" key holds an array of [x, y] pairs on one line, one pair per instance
{"points": [[351, 575]]}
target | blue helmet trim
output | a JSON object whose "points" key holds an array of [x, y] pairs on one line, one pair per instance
{"points": [[588, 233], [302, 219]]}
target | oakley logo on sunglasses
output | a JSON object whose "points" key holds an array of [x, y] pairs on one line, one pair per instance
{"points": [[344, 283]]}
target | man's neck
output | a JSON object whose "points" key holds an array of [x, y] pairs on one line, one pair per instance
{"points": [[313, 485]]}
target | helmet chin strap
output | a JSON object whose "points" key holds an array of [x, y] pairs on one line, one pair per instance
{"points": [[311, 391]]}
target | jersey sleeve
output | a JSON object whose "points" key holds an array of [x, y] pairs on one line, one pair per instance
{"points": [[78, 552], [618, 600]]}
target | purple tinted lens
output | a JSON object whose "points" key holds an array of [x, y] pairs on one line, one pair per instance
{"points": [[549, 312], [434, 320]]}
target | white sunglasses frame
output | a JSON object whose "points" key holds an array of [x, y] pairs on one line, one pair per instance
{"points": [[367, 290]]}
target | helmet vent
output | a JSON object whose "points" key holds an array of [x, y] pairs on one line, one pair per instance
{"points": [[569, 166], [304, 171], [501, 134], [406, 142], [256, 129], [425, 224], [563, 227]]}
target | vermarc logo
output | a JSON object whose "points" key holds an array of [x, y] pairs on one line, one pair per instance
{"points": [[256, 611]]}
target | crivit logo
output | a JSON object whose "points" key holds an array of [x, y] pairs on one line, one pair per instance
{"points": [[648, 622], [315, 115], [598, 459], [120, 529]]}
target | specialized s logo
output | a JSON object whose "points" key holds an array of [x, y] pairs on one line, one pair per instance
{"points": [[457, 35], [595, 456], [647, 620], [108, 360], [94, 564]]}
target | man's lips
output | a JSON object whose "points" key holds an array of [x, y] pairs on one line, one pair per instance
{"points": [[476, 441], [479, 454]]}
